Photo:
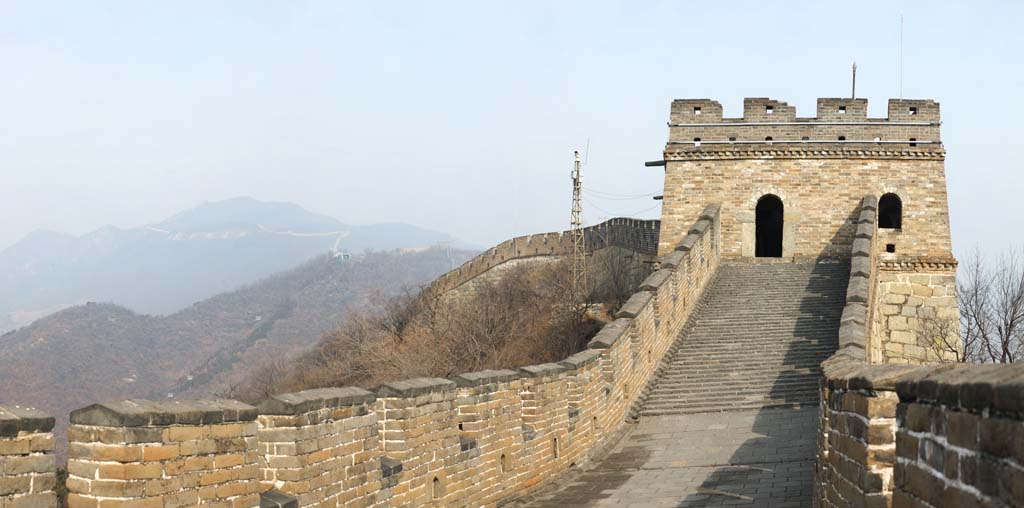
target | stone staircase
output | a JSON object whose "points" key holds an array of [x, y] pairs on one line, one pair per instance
{"points": [[756, 340]]}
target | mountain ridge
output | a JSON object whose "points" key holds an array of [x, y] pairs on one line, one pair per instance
{"points": [[160, 267]]}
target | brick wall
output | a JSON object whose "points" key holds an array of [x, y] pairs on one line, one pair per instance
{"points": [[640, 236], [960, 438], [478, 439], [921, 436], [27, 467], [163, 455]]}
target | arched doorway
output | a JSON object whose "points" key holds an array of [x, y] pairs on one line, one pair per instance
{"points": [[768, 225], [890, 212]]}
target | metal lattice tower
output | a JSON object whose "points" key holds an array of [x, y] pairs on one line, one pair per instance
{"points": [[579, 247]]}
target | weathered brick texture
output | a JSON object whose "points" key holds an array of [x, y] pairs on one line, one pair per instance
{"points": [[163, 455], [320, 446], [27, 467], [921, 436]]}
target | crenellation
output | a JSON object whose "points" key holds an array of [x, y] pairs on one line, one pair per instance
{"points": [[771, 125], [843, 110]]}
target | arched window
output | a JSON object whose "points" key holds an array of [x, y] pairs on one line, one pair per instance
{"points": [[768, 227], [437, 490], [890, 212]]}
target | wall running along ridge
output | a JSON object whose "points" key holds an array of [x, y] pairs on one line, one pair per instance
{"points": [[640, 236], [478, 439], [906, 436]]}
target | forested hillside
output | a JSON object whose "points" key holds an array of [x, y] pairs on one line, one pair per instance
{"points": [[102, 351]]}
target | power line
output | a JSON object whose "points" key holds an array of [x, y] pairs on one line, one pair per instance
{"points": [[610, 214], [623, 198], [616, 195]]}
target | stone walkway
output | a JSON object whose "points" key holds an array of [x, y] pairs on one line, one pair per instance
{"points": [[762, 458]]}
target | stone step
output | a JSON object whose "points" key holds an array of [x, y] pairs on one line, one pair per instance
{"points": [[756, 341]]}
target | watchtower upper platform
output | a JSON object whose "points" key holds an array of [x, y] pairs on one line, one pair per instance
{"points": [[697, 125]]}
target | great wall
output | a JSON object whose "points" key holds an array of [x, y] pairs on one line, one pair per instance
{"points": [[773, 359]]}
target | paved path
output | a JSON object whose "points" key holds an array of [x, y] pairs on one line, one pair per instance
{"points": [[762, 458]]}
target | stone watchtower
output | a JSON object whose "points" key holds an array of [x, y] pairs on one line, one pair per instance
{"points": [[792, 188]]}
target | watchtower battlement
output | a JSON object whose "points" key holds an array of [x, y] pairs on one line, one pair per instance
{"points": [[698, 125]]}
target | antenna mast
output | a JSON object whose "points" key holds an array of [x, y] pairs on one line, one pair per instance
{"points": [[853, 91], [579, 251], [900, 80]]}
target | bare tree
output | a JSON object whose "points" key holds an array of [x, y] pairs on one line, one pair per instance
{"points": [[991, 320]]}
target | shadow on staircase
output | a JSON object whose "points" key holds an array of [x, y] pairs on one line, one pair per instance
{"points": [[775, 466]]}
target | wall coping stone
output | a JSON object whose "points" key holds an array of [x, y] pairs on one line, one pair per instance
{"points": [[314, 400], [869, 202], [581, 359], [655, 280], [609, 334], [858, 290], [276, 499], [864, 230], [673, 259], [852, 334], [635, 305], [866, 217], [15, 419], [854, 313], [861, 246], [485, 377], [709, 212], [146, 413], [860, 267], [688, 242], [543, 369], [700, 226], [414, 387], [998, 388]]}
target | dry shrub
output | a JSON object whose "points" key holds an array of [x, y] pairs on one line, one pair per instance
{"points": [[525, 317]]}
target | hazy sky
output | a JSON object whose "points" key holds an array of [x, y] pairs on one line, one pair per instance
{"points": [[460, 116]]}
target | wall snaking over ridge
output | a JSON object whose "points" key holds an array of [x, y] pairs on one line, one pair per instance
{"points": [[640, 236], [478, 439]]}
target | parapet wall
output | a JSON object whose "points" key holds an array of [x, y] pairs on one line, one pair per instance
{"points": [[906, 436], [931, 436], [637, 235], [698, 125], [27, 470], [478, 439]]}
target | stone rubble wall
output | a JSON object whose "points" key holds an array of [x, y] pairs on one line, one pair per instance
{"points": [[906, 293], [933, 436], [27, 465], [640, 236], [478, 439]]}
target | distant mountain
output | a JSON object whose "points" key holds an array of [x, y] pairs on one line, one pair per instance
{"points": [[102, 351], [162, 267]]}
